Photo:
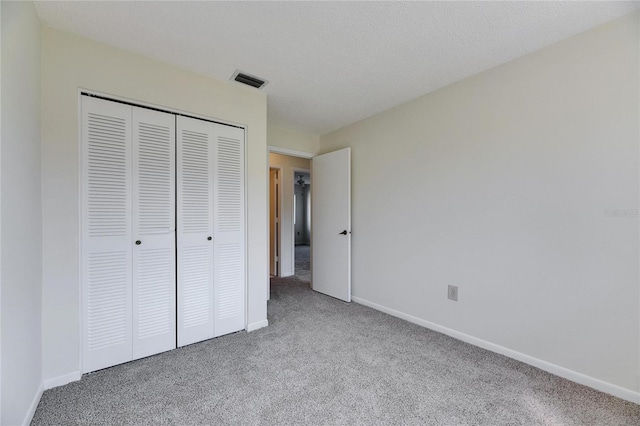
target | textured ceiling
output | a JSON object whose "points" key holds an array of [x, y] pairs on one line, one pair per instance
{"points": [[331, 64]]}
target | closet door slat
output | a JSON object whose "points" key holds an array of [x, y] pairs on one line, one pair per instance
{"points": [[154, 265], [106, 268]]}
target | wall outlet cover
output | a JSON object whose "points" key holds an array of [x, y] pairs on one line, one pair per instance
{"points": [[453, 293]]}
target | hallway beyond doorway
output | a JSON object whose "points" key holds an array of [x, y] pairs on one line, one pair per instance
{"points": [[303, 263]]}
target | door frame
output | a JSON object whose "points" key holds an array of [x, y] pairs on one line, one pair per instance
{"points": [[279, 208]]}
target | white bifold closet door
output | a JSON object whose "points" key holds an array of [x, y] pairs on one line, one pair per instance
{"points": [[107, 233], [211, 240], [128, 232], [195, 230], [228, 235], [154, 252]]}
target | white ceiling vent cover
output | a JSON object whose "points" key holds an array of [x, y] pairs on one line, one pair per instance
{"points": [[248, 79]]}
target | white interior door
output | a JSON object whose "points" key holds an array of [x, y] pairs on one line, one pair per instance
{"points": [[107, 237], [154, 252], [195, 153], [331, 224], [228, 237]]}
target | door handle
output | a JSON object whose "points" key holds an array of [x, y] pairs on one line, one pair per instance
{"points": [[138, 242], [344, 232]]}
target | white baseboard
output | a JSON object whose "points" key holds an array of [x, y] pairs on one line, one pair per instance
{"points": [[62, 380], [574, 376], [32, 408], [256, 325]]}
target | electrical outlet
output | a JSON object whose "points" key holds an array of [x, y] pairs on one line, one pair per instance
{"points": [[453, 293]]}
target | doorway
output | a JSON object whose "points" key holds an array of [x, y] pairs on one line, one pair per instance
{"points": [[325, 258], [302, 224], [290, 216]]}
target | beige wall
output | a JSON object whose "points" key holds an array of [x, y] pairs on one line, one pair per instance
{"points": [[289, 139], [70, 63], [288, 165], [21, 213], [503, 184]]}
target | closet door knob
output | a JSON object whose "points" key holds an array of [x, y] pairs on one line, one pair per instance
{"points": [[209, 238], [138, 242]]}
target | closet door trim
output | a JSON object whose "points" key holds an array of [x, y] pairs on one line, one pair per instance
{"points": [[147, 105]]}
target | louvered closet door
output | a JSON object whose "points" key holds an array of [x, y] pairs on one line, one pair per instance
{"points": [[106, 233], [154, 273], [229, 225], [195, 230]]}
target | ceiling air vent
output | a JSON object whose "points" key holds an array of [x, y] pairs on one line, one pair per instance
{"points": [[249, 80]]}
